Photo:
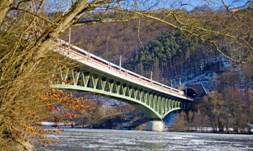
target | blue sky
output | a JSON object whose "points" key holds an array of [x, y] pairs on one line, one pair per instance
{"points": [[55, 5], [184, 4], [190, 4], [217, 4]]}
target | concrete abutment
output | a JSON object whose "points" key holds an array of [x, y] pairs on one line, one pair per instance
{"points": [[157, 126]]}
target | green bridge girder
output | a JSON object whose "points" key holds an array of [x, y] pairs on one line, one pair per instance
{"points": [[156, 105]]}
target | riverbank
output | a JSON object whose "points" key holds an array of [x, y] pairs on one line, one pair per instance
{"points": [[212, 130]]}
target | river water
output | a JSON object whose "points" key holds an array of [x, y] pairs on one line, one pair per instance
{"points": [[121, 140]]}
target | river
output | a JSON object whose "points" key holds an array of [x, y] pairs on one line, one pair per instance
{"points": [[121, 140]]}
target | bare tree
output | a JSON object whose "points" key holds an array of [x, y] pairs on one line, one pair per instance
{"points": [[28, 34]]}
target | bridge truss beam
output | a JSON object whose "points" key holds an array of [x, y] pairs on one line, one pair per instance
{"points": [[157, 104]]}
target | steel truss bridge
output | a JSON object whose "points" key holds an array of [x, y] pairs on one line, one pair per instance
{"points": [[99, 76]]}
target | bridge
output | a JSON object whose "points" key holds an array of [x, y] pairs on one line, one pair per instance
{"points": [[101, 77]]}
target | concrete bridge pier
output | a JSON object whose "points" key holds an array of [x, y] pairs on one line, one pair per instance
{"points": [[157, 126]]}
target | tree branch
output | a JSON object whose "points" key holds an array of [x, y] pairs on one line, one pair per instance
{"points": [[33, 14], [47, 39], [4, 8], [101, 20]]}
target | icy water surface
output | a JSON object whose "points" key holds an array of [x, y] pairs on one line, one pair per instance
{"points": [[118, 140]]}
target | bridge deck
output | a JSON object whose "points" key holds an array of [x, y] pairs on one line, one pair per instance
{"points": [[107, 67]]}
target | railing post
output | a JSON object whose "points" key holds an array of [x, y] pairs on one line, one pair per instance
{"points": [[69, 36], [120, 59]]}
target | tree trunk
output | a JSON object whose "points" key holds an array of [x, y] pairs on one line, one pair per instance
{"points": [[4, 8]]}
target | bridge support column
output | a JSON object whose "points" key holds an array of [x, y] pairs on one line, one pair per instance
{"points": [[157, 126]]}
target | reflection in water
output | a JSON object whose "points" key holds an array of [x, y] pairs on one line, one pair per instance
{"points": [[116, 140]]}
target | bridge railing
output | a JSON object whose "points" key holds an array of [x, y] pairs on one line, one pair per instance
{"points": [[104, 62]]}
